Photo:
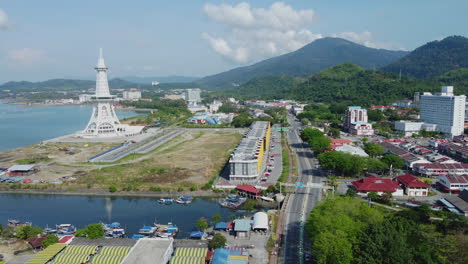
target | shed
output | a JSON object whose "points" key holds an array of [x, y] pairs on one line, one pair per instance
{"points": [[242, 227], [221, 226], [22, 170], [248, 191], [260, 221], [36, 242]]}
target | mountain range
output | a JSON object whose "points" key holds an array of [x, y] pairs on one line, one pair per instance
{"points": [[312, 58]]}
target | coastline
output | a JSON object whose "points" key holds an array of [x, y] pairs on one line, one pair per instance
{"points": [[101, 193]]}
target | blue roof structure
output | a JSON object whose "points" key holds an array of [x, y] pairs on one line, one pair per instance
{"points": [[221, 225], [242, 225], [220, 256]]}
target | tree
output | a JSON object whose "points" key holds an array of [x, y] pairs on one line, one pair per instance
{"points": [[27, 231], [393, 160], [375, 115], [386, 197], [320, 144], [309, 133], [335, 132], [218, 241], [373, 196], [216, 218], [373, 149], [91, 231], [351, 192], [112, 189], [202, 224], [249, 205], [50, 240]]}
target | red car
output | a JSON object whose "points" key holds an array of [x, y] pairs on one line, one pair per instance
{"points": [[267, 174], [27, 181]]}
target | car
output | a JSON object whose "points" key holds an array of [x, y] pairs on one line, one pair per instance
{"points": [[263, 179], [270, 165], [267, 174]]}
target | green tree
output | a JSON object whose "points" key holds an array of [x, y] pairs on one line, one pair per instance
{"points": [[373, 196], [50, 240], [91, 231], [27, 231], [112, 189], [393, 160], [335, 132], [375, 115], [320, 144], [218, 241], [309, 133], [202, 224], [373, 149], [249, 205], [216, 218], [351, 192]]}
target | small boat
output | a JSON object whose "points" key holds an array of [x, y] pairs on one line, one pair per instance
{"points": [[233, 202], [49, 230], [184, 200], [65, 229], [147, 230], [268, 199], [113, 230], [169, 230], [196, 234], [166, 201], [15, 223], [137, 236]]}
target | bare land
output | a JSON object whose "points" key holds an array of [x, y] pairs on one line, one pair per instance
{"points": [[188, 161]]}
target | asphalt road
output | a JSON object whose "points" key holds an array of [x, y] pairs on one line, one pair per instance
{"points": [[296, 242]]}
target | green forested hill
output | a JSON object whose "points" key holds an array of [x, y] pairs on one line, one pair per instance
{"points": [[310, 59], [433, 59]]}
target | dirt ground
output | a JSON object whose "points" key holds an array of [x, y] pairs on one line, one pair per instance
{"points": [[7, 249], [191, 159]]}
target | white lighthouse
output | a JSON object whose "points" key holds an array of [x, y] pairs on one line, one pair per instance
{"points": [[103, 122]]}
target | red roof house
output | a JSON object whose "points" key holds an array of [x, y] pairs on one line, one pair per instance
{"points": [[341, 141], [36, 242], [376, 184], [248, 190], [412, 185]]}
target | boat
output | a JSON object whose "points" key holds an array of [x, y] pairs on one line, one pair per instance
{"points": [[137, 236], [166, 201], [65, 229], [268, 199], [49, 230], [168, 230], [15, 223], [147, 230], [233, 202], [196, 234], [184, 200], [113, 230]]}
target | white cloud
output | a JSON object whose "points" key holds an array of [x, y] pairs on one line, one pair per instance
{"points": [[25, 56], [256, 33], [4, 23], [259, 33]]}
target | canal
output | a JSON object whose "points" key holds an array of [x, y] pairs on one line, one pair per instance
{"points": [[132, 213]]}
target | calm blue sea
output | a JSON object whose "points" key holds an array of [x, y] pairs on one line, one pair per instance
{"points": [[22, 126]]}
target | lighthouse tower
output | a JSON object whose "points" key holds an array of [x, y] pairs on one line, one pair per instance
{"points": [[103, 122]]}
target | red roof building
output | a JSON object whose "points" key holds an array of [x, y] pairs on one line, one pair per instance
{"points": [[248, 190], [340, 141], [36, 242], [412, 185], [66, 239], [453, 183], [379, 185]]}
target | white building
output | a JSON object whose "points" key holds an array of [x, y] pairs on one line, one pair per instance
{"points": [[132, 94], [83, 98], [409, 128], [214, 107], [445, 110], [192, 96], [356, 121], [352, 150]]}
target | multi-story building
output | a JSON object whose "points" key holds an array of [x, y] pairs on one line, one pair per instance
{"points": [[192, 96], [453, 183], [132, 94], [409, 128], [445, 110], [356, 121], [246, 161], [412, 186]]}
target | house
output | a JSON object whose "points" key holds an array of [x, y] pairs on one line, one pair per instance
{"points": [[412, 186], [352, 150], [22, 170], [233, 255], [248, 190], [441, 169], [378, 185], [36, 242], [453, 183], [411, 160], [457, 204], [340, 141], [242, 227]]}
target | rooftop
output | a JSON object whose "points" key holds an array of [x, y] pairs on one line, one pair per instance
{"points": [[22, 167], [148, 251], [411, 181], [376, 184], [242, 225]]}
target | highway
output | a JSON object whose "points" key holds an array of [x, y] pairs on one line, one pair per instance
{"points": [[296, 243]]}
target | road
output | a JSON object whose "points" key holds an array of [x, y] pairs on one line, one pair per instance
{"points": [[296, 244]]}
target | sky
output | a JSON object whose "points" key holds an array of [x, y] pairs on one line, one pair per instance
{"points": [[47, 39]]}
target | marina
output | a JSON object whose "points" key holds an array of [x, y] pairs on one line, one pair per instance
{"points": [[68, 213]]}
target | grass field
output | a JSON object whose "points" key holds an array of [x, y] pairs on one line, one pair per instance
{"points": [[188, 161]]}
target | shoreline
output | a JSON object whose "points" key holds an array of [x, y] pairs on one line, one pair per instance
{"points": [[97, 193]]}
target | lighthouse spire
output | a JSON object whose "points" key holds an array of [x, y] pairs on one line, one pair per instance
{"points": [[102, 85]]}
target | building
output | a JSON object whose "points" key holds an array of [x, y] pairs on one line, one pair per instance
{"points": [[336, 142], [356, 121], [150, 250], [412, 186], [246, 162], [192, 96], [214, 106], [22, 170], [104, 121], [453, 150], [189, 255], [382, 107], [453, 183], [408, 128], [445, 110], [83, 98], [457, 204], [233, 255], [260, 222], [248, 190], [132, 95], [352, 150], [242, 227], [441, 169], [378, 185]]}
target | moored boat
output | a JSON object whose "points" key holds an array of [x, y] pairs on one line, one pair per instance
{"points": [[168, 230], [15, 223], [65, 229], [166, 201], [147, 230], [184, 200]]}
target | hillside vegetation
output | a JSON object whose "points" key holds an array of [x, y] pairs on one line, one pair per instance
{"points": [[433, 59]]}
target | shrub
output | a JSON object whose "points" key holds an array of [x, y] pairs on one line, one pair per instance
{"points": [[50, 240], [218, 241], [112, 189], [193, 188], [155, 189]]}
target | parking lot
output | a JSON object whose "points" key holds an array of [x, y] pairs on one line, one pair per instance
{"points": [[273, 164]]}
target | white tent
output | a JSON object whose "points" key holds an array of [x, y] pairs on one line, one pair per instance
{"points": [[260, 221]]}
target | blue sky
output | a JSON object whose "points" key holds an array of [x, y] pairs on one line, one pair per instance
{"points": [[47, 39]]}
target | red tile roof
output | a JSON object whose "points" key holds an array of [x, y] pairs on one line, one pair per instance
{"points": [[457, 178], [248, 188], [411, 181], [376, 184], [341, 141], [36, 242], [65, 239]]}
